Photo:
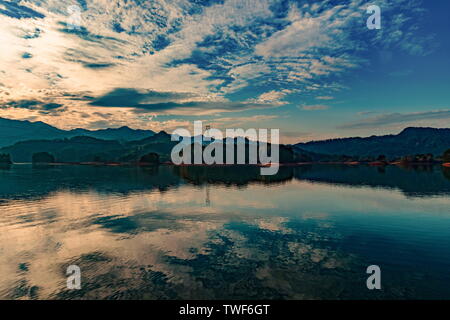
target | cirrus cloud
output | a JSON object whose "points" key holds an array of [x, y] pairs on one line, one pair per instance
{"points": [[399, 118]]}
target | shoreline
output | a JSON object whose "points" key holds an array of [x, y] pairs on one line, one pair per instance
{"points": [[134, 164]]}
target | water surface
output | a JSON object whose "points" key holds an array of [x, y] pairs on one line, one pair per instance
{"points": [[167, 232]]}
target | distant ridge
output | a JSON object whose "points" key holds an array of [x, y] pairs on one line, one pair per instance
{"points": [[22, 138], [412, 140], [13, 131]]}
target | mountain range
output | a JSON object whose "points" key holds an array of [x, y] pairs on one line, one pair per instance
{"points": [[88, 149], [12, 131], [410, 141], [21, 139]]}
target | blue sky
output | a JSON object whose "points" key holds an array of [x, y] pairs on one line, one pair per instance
{"points": [[312, 69]]}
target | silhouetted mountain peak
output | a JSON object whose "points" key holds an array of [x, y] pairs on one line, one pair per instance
{"points": [[411, 141], [13, 131], [123, 128], [422, 130], [87, 139], [162, 134]]}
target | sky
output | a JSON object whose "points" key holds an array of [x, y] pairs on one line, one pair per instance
{"points": [[312, 69]]}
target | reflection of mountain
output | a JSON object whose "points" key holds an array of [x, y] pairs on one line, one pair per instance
{"points": [[231, 175], [409, 141], [413, 181], [446, 172], [25, 181]]}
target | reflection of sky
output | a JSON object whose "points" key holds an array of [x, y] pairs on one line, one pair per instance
{"points": [[150, 229]]}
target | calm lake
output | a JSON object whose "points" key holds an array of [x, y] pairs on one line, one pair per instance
{"points": [[166, 232]]}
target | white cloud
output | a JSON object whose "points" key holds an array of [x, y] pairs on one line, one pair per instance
{"points": [[324, 98], [273, 96], [298, 52], [315, 107], [435, 118]]}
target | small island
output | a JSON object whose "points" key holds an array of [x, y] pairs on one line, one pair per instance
{"points": [[43, 158]]}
